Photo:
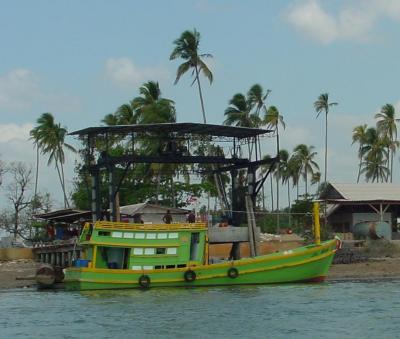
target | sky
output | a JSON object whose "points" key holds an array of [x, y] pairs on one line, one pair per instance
{"points": [[80, 60]]}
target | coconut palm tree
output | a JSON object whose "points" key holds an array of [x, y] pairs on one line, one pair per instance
{"points": [[387, 127], [359, 135], [375, 154], [265, 169], [256, 98], [272, 120], [239, 114], [50, 138], [285, 174], [305, 155], [294, 166], [187, 48], [322, 104]]}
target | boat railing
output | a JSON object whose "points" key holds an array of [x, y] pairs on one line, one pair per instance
{"points": [[111, 225]]}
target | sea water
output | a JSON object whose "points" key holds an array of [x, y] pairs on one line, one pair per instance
{"points": [[328, 310]]}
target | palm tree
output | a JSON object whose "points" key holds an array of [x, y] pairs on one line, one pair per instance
{"points": [[50, 138], [256, 98], [285, 174], [265, 169], [375, 154], [305, 155], [34, 136], [187, 48], [322, 105], [272, 120], [239, 114], [294, 166], [359, 135], [386, 125]]}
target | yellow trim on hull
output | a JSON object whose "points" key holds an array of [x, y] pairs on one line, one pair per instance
{"points": [[276, 267]]}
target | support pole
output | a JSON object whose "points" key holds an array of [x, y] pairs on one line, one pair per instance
{"points": [[317, 227]]}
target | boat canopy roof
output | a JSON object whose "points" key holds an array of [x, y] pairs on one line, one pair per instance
{"points": [[176, 128]]}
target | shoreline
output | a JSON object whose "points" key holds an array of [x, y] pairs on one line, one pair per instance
{"points": [[375, 269]]}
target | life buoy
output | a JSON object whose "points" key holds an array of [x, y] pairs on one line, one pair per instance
{"points": [[189, 276], [233, 273], [144, 281]]}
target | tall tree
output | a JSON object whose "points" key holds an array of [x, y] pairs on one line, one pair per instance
{"points": [[294, 166], [272, 120], [387, 127], [359, 135], [238, 113], [49, 136], [375, 154], [322, 104], [187, 48], [17, 193], [305, 155], [256, 98], [285, 174]]}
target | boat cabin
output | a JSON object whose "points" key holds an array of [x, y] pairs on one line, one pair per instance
{"points": [[114, 245]]}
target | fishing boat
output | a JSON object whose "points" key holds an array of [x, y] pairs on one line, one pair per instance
{"points": [[134, 255], [126, 255]]}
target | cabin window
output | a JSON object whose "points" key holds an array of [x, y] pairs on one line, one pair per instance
{"points": [[139, 235], [151, 235], [104, 233], [136, 268], [116, 234], [149, 251], [128, 235], [181, 265], [138, 251], [162, 236], [161, 250], [158, 267], [173, 235], [148, 267], [171, 250], [170, 266]]}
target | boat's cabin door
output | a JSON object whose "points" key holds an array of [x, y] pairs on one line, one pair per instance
{"points": [[194, 246]]}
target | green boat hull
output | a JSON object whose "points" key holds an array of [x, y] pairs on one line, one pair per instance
{"points": [[305, 264]]}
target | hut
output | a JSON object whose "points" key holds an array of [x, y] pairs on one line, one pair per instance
{"points": [[352, 204]]}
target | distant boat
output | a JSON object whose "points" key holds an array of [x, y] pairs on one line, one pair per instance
{"points": [[121, 255]]}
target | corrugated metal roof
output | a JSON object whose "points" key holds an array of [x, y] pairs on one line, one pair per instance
{"points": [[363, 192], [141, 209]]}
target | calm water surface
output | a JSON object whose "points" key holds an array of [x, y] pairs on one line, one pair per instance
{"points": [[330, 310]]}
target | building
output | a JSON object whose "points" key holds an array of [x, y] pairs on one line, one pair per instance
{"points": [[151, 213], [352, 204]]}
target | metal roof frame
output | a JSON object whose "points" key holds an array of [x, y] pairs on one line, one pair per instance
{"points": [[182, 128]]}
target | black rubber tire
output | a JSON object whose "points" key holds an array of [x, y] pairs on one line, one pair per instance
{"points": [[233, 273], [144, 281], [189, 276]]}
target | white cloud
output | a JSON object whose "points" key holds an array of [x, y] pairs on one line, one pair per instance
{"points": [[13, 132], [123, 72], [18, 89], [15, 146], [355, 20], [21, 91]]}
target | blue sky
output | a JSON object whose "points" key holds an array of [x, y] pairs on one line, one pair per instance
{"points": [[80, 60]]}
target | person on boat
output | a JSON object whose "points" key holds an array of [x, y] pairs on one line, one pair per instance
{"points": [[191, 218], [137, 219], [167, 218]]}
